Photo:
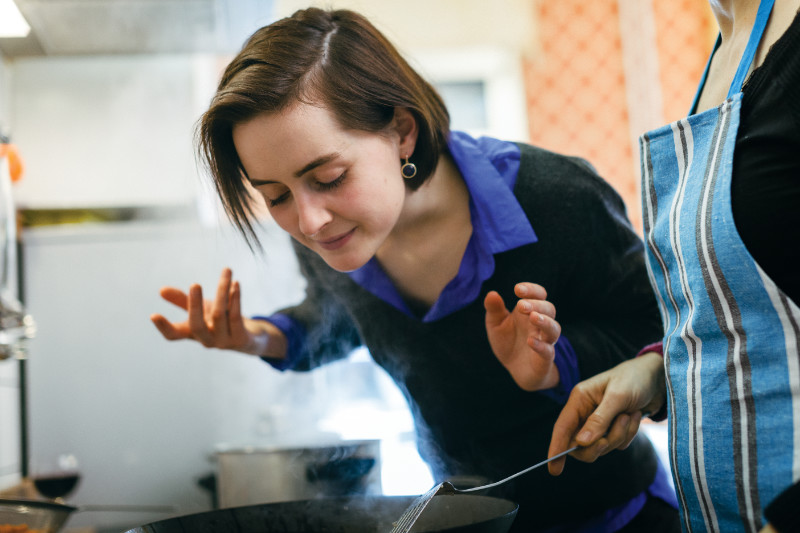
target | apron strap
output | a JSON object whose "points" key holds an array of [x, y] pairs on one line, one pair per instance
{"points": [[762, 16], [693, 109]]}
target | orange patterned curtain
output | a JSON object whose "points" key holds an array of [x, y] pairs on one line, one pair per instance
{"points": [[605, 71]]}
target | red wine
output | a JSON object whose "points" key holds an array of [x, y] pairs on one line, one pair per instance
{"points": [[56, 485]]}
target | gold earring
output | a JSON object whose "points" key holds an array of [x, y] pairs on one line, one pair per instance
{"points": [[409, 170]]}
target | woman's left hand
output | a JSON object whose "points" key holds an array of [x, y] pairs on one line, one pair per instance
{"points": [[524, 339]]}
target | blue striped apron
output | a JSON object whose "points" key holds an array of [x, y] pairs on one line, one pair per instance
{"points": [[731, 335]]}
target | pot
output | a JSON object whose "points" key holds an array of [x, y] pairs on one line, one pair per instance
{"points": [[451, 514], [248, 476]]}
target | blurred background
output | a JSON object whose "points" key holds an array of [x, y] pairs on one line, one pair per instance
{"points": [[98, 101]]}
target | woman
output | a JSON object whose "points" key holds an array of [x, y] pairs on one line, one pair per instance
{"points": [[721, 193], [414, 240]]}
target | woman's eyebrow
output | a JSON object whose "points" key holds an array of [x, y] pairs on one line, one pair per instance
{"points": [[318, 162]]}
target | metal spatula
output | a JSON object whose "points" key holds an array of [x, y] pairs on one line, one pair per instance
{"points": [[410, 516]]}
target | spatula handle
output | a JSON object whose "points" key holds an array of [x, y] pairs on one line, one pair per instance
{"points": [[521, 472]]}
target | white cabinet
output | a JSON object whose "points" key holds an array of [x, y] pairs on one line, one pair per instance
{"points": [[5, 89], [108, 131]]}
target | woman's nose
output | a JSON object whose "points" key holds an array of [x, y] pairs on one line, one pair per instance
{"points": [[312, 214]]}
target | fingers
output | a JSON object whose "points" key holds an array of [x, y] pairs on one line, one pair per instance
{"points": [[197, 321], [545, 348], [216, 323], [530, 290], [496, 310], [622, 432], [616, 436], [608, 406], [581, 406], [175, 297], [546, 330], [567, 424], [632, 430], [166, 328], [236, 321], [596, 425], [542, 307], [533, 302], [220, 312]]}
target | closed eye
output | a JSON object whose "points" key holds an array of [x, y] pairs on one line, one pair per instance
{"points": [[327, 186], [320, 185], [279, 200]]}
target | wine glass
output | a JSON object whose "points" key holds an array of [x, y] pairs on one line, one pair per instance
{"points": [[56, 479]]}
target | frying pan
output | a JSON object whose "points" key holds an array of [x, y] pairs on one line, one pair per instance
{"points": [[450, 514], [37, 515], [50, 517]]}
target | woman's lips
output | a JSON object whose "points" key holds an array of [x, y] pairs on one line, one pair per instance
{"points": [[336, 242]]}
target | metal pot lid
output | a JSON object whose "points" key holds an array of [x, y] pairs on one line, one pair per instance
{"points": [[292, 446]]}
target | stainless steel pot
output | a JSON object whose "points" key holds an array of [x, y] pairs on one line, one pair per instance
{"points": [[249, 476]]}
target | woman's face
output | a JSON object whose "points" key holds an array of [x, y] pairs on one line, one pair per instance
{"points": [[338, 192]]}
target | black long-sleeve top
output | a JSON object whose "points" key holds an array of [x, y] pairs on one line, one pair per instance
{"points": [[765, 191]]}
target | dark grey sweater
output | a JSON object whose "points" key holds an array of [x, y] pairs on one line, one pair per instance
{"points": [[471, 417]]}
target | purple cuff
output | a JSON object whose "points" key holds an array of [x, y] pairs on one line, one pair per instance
{"points": [[566, 362], [657, 347], [295, 340]]}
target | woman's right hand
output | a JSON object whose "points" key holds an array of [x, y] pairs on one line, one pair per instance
{"points": [[604, 411], [216, 323]]}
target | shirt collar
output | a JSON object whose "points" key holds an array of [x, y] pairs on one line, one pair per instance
{"points": [[490, 168]]}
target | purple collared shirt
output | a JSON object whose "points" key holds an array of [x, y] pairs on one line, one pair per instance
{"points": [[489, 167]]}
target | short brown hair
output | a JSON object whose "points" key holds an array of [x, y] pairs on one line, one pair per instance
{"points": [[336, 58]]}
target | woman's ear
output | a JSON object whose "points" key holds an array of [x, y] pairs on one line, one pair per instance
{"points": [[405, 124]]}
